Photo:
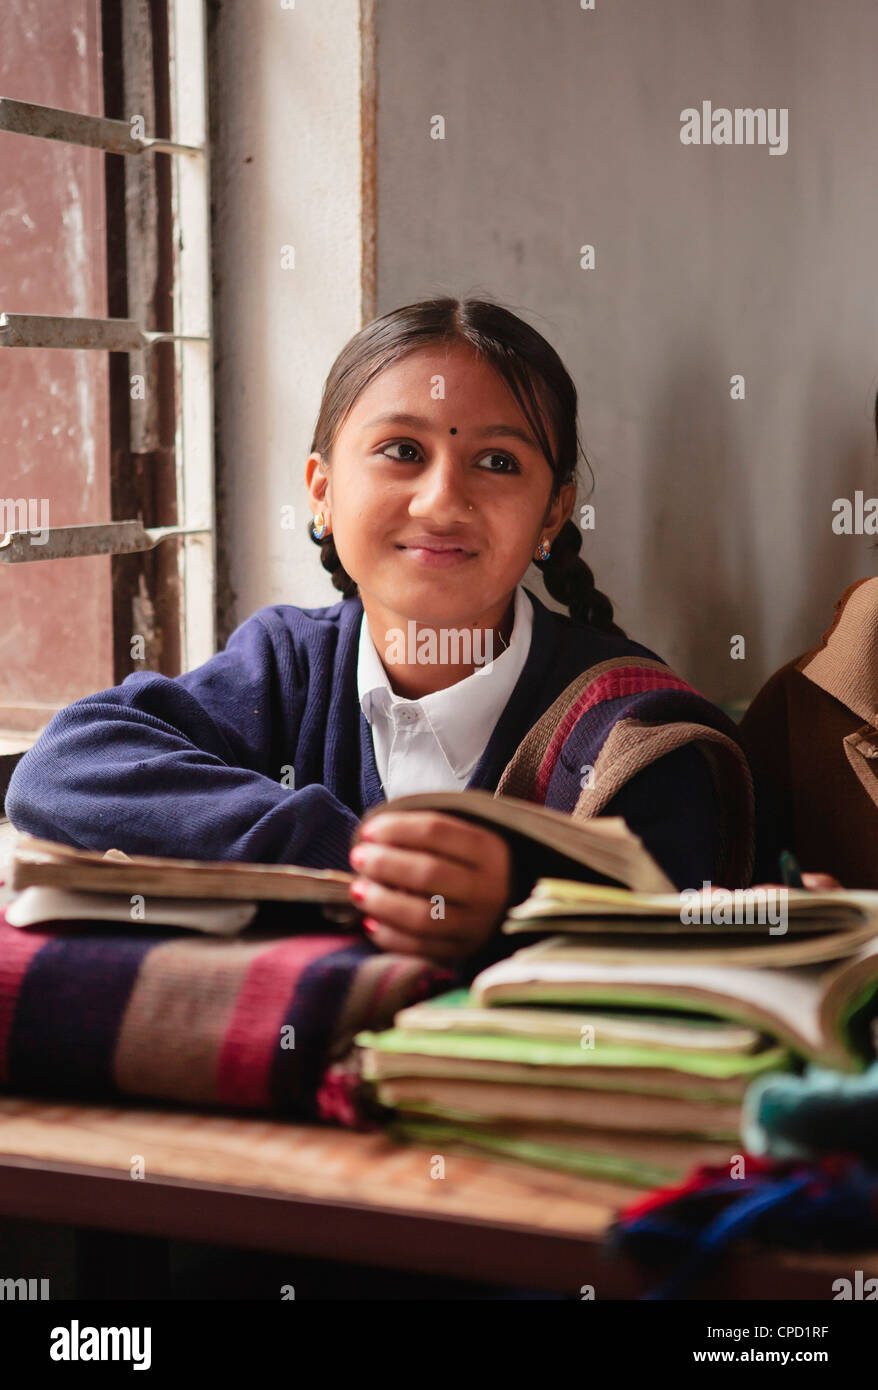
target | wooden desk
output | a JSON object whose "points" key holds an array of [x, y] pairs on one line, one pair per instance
{"points": [[338, 1195]]}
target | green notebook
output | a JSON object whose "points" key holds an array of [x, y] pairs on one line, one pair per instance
{"points": [[612, 1066], [575, 1110], [637, 1161]]}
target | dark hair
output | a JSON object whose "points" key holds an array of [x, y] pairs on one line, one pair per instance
{"points": [[526, 361]]}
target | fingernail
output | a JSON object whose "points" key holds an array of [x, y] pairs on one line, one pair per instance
{"points": [[369, 924], [367, 832], [357, 891], [357, 856]]}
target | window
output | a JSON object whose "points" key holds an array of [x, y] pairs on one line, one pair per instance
{"points": [[107, 486]]}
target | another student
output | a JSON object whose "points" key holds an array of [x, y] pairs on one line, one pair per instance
{"points": [[442, 424], [812, 736]]}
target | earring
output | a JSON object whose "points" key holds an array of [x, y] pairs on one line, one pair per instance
{"points": [[543, 550], [319, 526]]}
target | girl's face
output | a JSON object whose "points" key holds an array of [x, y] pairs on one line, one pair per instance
{"points": [[437, 448]]}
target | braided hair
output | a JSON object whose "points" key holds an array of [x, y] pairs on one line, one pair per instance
{"points": [[528, 365]]}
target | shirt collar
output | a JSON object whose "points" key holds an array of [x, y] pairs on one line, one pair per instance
{"points": [[845, 664], [463, 715]]}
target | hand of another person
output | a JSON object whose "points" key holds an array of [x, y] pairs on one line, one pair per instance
{"points": [[815, 883]]}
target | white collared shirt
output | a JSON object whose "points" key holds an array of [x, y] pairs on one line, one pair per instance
{"points": [[434, 743]]}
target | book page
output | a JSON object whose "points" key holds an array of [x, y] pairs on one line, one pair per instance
{"points": [[786, 1004]]}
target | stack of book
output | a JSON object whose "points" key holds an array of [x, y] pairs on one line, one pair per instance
{"points": [[621, 1044], [618, 1043], [52, 883]]}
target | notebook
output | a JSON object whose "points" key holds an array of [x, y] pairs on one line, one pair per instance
{"points": [[637, 1160], [455, 1012]]}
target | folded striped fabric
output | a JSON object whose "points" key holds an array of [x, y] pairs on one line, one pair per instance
{"points": [[262, 1022]]}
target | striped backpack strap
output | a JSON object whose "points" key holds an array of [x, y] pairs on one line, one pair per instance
{"points": [[615, 719]]}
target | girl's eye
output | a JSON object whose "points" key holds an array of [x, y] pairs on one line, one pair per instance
{"points": [[506, 459], [400, 444], [508, 462]]}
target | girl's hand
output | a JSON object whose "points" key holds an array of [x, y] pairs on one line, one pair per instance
{"points": [[430, 884]]}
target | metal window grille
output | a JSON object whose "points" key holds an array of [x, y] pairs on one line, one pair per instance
{"points": [[190, 335]]}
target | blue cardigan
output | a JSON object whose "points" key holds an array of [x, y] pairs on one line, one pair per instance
{"points": [[197, 766]]}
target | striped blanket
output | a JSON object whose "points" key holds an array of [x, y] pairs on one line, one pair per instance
{"points": [[259, 1023]]}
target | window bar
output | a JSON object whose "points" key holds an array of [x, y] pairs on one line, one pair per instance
{"points": [[72, 542], [56, 331], [76, 128]]}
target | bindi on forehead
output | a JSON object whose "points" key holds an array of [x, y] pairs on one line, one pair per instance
{"points": [[453, 430]]}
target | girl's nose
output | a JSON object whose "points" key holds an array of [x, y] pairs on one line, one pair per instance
{"points": [[442, 491]]}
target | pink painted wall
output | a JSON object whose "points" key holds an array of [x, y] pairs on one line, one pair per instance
{"points": [[55, 629]]}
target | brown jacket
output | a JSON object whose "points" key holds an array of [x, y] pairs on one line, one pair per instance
{"points": [[812, 738]]}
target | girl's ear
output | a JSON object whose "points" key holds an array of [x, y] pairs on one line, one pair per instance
{"points": [[316, 478], [561, 509]]}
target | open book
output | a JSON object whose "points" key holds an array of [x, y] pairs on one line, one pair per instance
{"points": [[606, 846], [584, 907], [48, 864], [764, 927], [821, 1012], [54, 883]]}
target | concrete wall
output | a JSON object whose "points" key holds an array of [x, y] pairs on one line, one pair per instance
{"points": [[563, 128]]}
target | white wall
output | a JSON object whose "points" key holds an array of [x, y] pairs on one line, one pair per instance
{"points": [[562, 128]]}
